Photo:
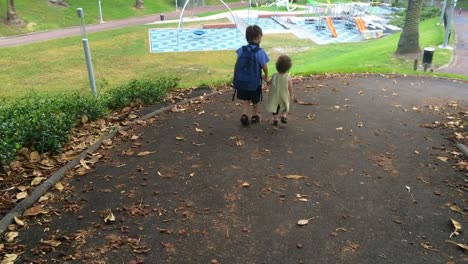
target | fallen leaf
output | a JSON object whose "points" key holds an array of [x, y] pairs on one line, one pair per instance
{"points": [[10, 236], [84, 119], [304, 222], [18, 221], [109, 218], [311, 116], [145, 153], [245, 184], [34, 157], [302, 102], [83, 163], [294, 177], [9, 258], [339, 129], [456, 228], [59, 186], [198, 129], [359, 124], [21, 195], [457, 209], [444, 159], [37, 181], [35, 210], [240, 142], [54, 243], [428, 246], [180, 137], [463, 246]]}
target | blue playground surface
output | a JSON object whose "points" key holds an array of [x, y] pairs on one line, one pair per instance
{"points": [[196, 39], [165, 40]]}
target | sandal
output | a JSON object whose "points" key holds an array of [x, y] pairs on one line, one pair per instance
{"points": [[284, 120], [244, 120], [255, 119]]}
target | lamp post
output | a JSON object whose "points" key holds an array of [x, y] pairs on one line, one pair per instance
{"points": [[453, 3], [89, 63], [100, 12]]}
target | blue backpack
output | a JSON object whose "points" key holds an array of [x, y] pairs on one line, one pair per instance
{"points": [[247, 72]]}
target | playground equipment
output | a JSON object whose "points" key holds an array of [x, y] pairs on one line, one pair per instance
{"points": [[185, 5], [360, 24], [331, 27], [281, 3]]}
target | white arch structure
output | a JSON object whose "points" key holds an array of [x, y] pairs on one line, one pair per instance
{"points": [[230, 11]]}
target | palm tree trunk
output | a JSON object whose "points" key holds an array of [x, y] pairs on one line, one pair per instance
{"points": [[12, 17], [139, 4], [409, 39]]}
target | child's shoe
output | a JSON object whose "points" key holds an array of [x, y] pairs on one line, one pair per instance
{"points": [[284, 120], [244, 120], [275, 122], [255, 119]]}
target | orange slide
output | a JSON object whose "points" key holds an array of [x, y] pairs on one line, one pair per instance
{"points": [[360, 24], [331, 27]]}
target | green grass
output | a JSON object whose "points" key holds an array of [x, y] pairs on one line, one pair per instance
{"points": [[463, 4], [123, 54], [39, 15]]}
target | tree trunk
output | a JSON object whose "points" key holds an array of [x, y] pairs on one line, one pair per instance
{"points": [[12, 17], [409, 38], [139, 4]]}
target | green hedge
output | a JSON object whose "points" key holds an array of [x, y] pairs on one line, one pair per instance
{"points": [[43, 124]]}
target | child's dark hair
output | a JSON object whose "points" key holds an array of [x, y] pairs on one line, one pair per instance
{"points": [[283, 64], [252, 32]]}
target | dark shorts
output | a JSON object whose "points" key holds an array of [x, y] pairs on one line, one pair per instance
{"points": [[252, 96]]}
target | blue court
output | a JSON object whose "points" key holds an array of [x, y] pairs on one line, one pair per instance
{"points": [[165, 40]]}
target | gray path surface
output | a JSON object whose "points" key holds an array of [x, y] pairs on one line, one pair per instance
{"points": [[460, 62], [373, 187]]}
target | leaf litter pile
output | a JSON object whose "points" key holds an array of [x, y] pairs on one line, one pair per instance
{"points": [[193, 186]]}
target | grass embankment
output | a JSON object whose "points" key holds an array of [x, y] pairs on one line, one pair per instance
{"points": [[41, 15], [123, 54]]}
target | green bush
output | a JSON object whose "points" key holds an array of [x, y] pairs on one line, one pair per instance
{"points": [[43, 124], [147, 91], [427, 12]]}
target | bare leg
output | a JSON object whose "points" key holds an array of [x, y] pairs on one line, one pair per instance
{"points": [[255, 109], [245, 107]]}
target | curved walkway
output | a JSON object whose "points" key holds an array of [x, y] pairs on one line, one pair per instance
{"points": [[459, 64], [460, 59]]}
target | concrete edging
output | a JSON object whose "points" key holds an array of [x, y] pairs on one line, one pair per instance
{"points": [[32, 198]]}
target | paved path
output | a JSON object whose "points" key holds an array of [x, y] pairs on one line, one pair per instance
{"points": [[460, 61], [75, 31], [458, 66], [371, 182]]}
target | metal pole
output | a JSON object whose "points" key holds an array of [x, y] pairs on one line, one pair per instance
{"points": [[449, 24], [87, 52], [100, 12], [89, 65], [444, 6]]}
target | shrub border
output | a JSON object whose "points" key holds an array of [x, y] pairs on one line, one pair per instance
{"points": [[20, 208]]}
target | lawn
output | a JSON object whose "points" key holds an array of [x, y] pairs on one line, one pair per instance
{"points": [[122, 54]]}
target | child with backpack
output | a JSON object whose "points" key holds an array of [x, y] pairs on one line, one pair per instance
{"points": [[281, 90], [251, 61]]}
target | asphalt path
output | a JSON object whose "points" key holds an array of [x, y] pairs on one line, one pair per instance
{"points": [[355, 177]]}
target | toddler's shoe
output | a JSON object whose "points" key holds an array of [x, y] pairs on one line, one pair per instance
{"points": [[284, 120], [244, 120], [255, 119], [275, 122]]}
